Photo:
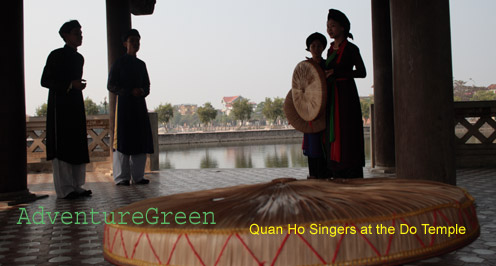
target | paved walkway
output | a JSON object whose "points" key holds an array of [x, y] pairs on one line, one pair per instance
{"points": [[59, 244]]}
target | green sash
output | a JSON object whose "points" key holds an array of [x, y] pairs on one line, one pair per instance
{"points": [[331, 115]]}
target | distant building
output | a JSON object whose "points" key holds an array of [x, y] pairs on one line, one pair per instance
{"points": [[227, 103], [492, 88], [187, 109]]}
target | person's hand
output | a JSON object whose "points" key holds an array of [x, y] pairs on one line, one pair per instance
{"points": [[137, 92], [329, 72], [79, 84]]}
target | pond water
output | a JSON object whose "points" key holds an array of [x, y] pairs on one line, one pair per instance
{"points": [[260, 154]]}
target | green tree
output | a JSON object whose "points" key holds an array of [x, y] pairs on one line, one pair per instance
{"points": [[90, 107], [242, 110], [42, 110], [462, 92], [365, 105], [279, 107], [483, 95], [189, 120], [164, 113], [103, 107], [258, 115], [273, 110], [207, 113], [176, 117], [459, 83], [224, 119]]}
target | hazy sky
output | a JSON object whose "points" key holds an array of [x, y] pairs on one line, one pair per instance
{"points": [[199, 51]]}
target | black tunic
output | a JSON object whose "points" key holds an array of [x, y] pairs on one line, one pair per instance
{"points": [[350, 114], [66, 137], [133, 134]]}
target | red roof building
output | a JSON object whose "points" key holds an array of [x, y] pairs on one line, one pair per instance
{"points": [[227, 103]]}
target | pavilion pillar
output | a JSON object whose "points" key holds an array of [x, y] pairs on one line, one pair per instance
{"points": [[423, 90], [118, 22], [383, 134], [13, 157], [12, 103]]}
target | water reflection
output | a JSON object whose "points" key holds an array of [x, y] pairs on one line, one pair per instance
{"points": [[166, 164], [261, 154], [207, 161], [277, 158], [296, 156], [367, 149], [243, 159]]}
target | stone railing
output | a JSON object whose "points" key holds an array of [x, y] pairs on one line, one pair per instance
{"points": [[475, 130], [97, 127]]}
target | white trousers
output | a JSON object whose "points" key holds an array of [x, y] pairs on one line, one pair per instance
{"points": [[128, 166], [68, 177]]}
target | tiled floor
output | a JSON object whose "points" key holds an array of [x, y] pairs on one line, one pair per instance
{"points": [[59, 244]]}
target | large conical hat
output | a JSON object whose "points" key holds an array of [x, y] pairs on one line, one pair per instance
{"points": [[309, 90], [295, 222], [294, 119]]}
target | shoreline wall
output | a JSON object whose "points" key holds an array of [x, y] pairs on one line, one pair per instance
{"points": [[232, 136]]}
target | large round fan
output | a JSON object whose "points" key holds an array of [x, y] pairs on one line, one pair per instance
{"points": [[309, 90], [294, 119]]}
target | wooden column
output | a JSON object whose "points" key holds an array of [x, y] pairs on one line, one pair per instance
{"points": [[383, 130], [118, 22], [12, 102], [423, 90], [13, 158], [154, 157]]}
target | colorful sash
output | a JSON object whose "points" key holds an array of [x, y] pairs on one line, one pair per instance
{"points": [[334, 125]]}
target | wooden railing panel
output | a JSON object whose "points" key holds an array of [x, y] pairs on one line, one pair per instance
{"points": [[475, 134], [97, 127], [469, 152]]}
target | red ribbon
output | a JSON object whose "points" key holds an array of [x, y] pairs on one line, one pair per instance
{"points": [[336, 144]]}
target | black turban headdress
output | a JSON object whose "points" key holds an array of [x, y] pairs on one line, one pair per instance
{"points": [[341, 18], [316, 36], [68, 26], [131, 32]]}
